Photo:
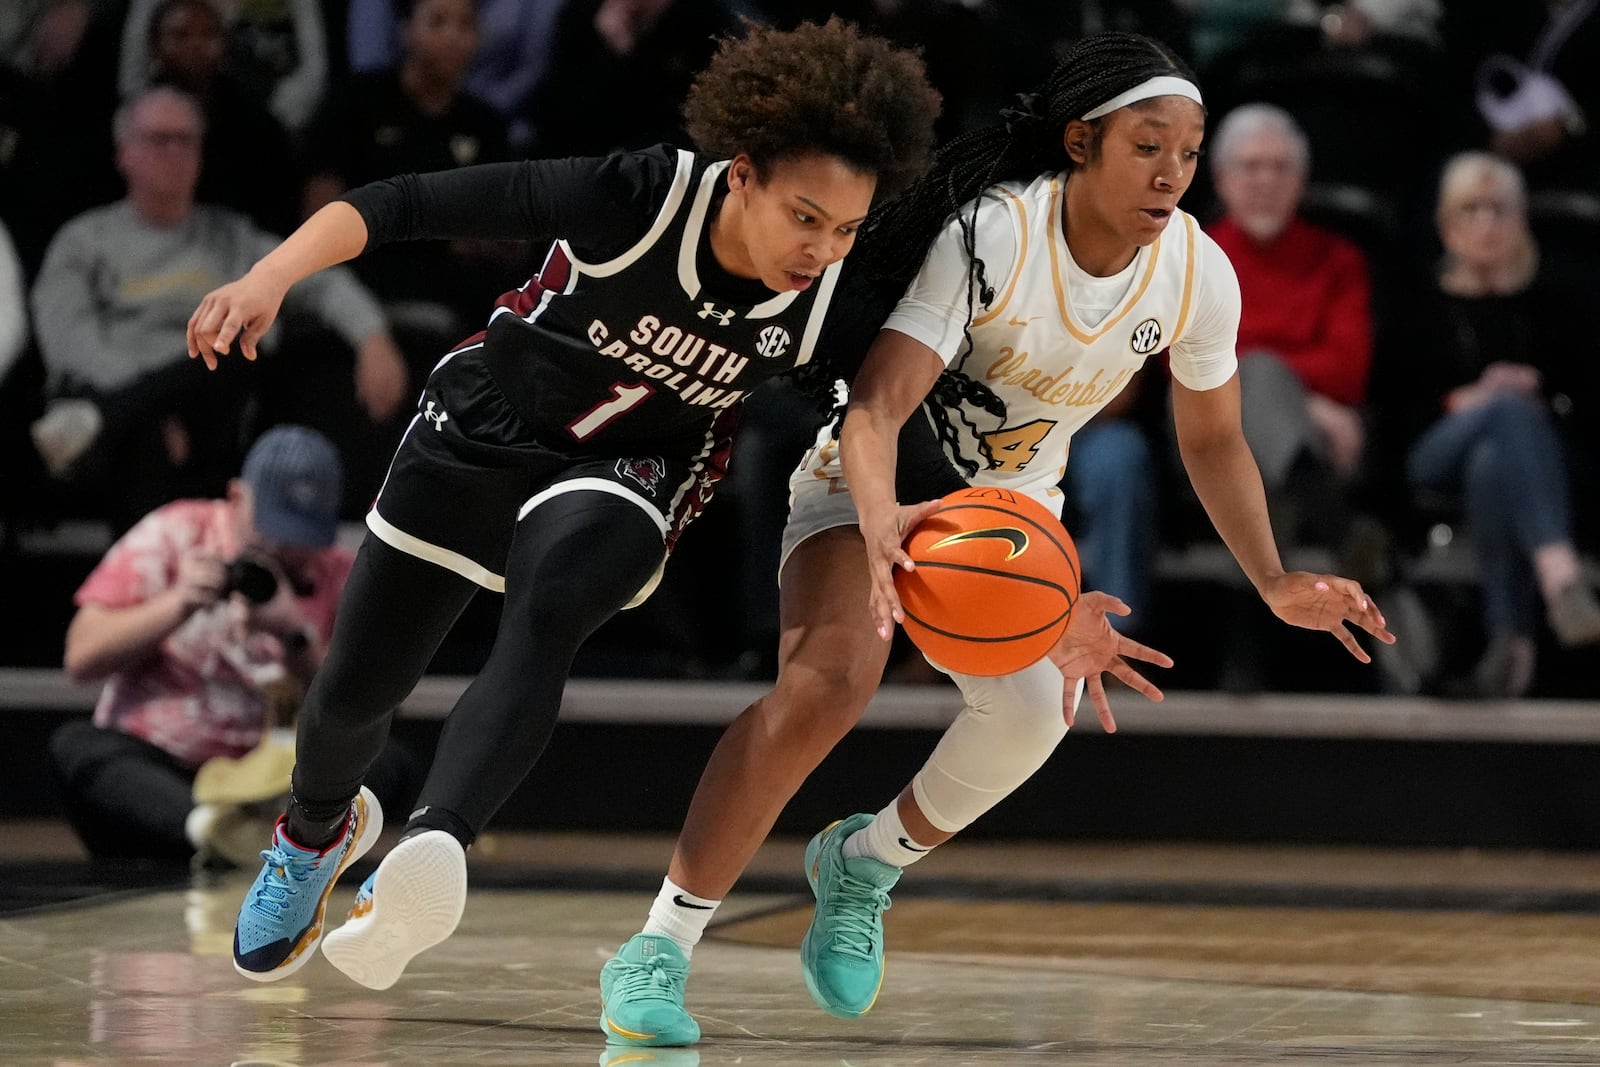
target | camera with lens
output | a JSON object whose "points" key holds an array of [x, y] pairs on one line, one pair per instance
{"points": [[251, 579]]}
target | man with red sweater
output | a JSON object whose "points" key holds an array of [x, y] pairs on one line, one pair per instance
{"points": [[1305, 336]]}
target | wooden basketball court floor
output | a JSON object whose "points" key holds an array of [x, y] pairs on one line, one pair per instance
{"points": [[1084, 955]]}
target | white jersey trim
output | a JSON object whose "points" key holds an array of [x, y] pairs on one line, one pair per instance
{"points": [[599, 485], [664, 217], [689, 246], [448, 356], [396, 538], [819, 312]]}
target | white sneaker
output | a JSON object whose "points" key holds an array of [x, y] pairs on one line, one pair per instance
{"points": [[64, 432], [410, 903]]}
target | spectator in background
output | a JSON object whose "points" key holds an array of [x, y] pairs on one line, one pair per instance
{"points": [[1113, 505], [57, 93], [198, 620], [13, 306], [418, 117], [247, 160], [128, 414], [1305, 335], [513, 52], [276, 48], [633, 60], [1491, 343], [20, 383]]}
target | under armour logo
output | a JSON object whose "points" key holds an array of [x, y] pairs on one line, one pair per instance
{"points": [[438, 417], [708, 310]]}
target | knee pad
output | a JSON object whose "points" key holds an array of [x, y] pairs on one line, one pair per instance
{"points": [[1007, 730]]}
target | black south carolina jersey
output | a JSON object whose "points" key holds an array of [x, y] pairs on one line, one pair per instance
{"points": [[634, 351], [630, 336], [624, 358]]}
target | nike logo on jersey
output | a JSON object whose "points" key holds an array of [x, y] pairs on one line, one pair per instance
{"points": [[1017, 539], [909, 847], [1021, 322], [677, 898]]}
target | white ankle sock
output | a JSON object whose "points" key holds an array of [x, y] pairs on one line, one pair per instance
{"points": [[680, 915], [885, 839]]}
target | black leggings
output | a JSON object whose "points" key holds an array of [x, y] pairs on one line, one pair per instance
{"points": [[125, 797], [575, 561], [128, 798]]}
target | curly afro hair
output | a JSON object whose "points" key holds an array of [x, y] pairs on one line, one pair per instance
{"points": [[829, 88]]}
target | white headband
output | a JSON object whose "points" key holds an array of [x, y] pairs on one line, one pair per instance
{"points": [[1164, 85]]}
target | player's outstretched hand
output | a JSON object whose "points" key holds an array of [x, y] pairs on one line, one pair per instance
{"points": [[240, 311], [885, 538], [1090, 647], [1327, 602]]}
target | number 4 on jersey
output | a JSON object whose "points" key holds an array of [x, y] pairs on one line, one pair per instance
{"points": [[1013, 448]]}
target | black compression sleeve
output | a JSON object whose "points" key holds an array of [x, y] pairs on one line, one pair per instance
{"points": [[601, 206]]}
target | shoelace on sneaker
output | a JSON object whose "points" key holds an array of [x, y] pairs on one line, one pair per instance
{"points": [[286, 868], [654, 979], [857, 907]]}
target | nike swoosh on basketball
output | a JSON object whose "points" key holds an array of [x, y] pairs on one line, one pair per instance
{"points": [[677, 898], [909, 847], [1017, 539]]}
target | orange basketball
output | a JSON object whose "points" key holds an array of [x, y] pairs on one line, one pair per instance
{"points": [[995, 582]]}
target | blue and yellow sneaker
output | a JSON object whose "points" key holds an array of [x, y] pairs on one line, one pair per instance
{"points": [[281, 920], [842, 953], [410, 903], [641, 994]]}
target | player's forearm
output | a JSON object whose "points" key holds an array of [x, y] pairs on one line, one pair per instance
{"points": [[336, 233], [868, 450], [1228, 483]]}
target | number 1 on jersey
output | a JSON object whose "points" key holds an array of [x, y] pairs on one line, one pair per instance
{"points": [[623, 399]]}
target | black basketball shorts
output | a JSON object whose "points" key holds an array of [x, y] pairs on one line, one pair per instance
{"points": [[469, 468]]}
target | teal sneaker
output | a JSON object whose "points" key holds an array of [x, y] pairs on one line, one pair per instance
{"points": [[413, 901], [280, 922], [842, 953], [641, 994]]}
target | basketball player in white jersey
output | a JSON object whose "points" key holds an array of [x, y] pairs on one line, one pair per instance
{"points": [[1066, 265]]}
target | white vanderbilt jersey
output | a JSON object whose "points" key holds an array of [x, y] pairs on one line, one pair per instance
{"points": [[1035, 346]]}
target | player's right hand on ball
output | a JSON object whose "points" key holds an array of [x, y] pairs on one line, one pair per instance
{"points": [[885, 537]]}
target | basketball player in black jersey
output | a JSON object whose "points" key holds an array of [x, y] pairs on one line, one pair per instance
{"points": [[558, 455]]}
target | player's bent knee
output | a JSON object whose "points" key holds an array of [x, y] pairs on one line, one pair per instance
{"points": [[819, 697]]}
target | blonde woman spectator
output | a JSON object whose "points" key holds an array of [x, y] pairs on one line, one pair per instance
{"points": [[1490, 347]]}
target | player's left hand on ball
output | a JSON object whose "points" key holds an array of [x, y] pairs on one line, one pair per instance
{"points": [[1091, 647], [1327, 602]]}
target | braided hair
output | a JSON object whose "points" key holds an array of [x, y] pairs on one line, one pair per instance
{"points": [[1026, 142]]}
